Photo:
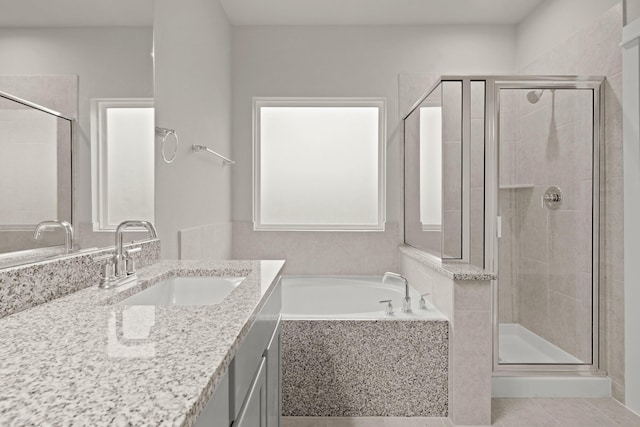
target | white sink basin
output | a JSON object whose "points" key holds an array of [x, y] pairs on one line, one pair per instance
{"points": [[192, 290]]}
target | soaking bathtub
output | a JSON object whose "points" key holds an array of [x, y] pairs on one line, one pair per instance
{"points": [[349, 297], [343, 356]]}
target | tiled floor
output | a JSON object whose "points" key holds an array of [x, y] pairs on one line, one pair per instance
{"points": [[506, 413]]}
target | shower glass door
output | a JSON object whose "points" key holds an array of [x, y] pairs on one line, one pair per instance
{"points": [[546, 201]]}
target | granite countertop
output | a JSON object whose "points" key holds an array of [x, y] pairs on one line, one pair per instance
{"points": [[454, 270], [81, 360]]}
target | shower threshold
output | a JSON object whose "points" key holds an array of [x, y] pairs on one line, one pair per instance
{"points": [[518, 345]]}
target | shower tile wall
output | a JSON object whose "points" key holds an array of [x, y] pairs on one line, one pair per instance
{"points": [[592, 51], [545, 258]]}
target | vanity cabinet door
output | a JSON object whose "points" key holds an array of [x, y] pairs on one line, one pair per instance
{"points": [[254, 408], [252, 350], [274, 378]]}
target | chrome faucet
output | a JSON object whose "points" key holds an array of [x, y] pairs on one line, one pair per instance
{"points": [[406, 301], [120, 258], [68, 232], [121, 269]]}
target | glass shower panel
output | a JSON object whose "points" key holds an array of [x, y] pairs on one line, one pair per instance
{"points": [[423, 174], [433, 172], [476, 208], [452, 170], [545, 206]]}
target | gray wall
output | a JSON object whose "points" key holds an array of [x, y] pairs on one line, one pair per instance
{"points": [[193, 96], [343, 61], [631, 10], [554, 21], [631, 167]]}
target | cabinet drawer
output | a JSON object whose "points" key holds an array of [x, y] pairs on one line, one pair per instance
{"points": [[249, 355]]}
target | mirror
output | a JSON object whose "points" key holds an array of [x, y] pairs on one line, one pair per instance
{"points": [[105, 49], [35, 168], [433, 156]]}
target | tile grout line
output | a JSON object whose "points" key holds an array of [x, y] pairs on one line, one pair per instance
{"points": [[614, 422]]}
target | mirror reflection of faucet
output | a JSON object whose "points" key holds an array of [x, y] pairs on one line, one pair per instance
{"points": [[129, 332], [121, 268], [68, 232]]}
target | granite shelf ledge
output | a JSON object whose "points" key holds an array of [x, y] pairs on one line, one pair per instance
{"points": [[454, 270]]}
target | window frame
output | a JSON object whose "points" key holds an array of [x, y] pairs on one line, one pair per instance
{"points": [[99, 179], [338, 102]]}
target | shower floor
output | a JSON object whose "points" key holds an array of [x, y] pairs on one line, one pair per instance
{"points": [[518, 345]]}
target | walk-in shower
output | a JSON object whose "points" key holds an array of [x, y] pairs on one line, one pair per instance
{"points": [[503, 173]]}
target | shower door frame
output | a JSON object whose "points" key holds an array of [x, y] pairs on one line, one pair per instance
{"points": [[493, 85]]}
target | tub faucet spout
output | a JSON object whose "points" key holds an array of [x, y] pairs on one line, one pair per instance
{"points": [[406, 301]]}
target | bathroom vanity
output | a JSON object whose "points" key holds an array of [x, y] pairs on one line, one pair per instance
{"points": [[249, 393], [89, 359]]}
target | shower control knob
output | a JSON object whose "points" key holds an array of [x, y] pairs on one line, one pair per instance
{"points": [[552, 198]]}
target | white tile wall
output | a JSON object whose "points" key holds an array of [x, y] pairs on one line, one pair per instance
{"points": [[321, 252], [207, 242]]}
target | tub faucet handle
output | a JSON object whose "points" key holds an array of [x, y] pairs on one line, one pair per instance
{"points": [[389, 308], [423, 302]]}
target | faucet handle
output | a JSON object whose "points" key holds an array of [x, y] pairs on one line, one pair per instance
{"points": [[131, 251], [108, 270], [130, 266], [389, 308], [423, 302]]}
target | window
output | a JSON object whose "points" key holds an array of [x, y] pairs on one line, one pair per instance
{"points": [[431, 168], [319, 164], [123, 161]]}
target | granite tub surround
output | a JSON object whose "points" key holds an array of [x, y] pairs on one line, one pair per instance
{"points": [[364, 368], [453, 270], [81, 360], [28, 285]]}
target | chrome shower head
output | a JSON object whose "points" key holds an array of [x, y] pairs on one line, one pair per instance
{"points": [[534, 96]]}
